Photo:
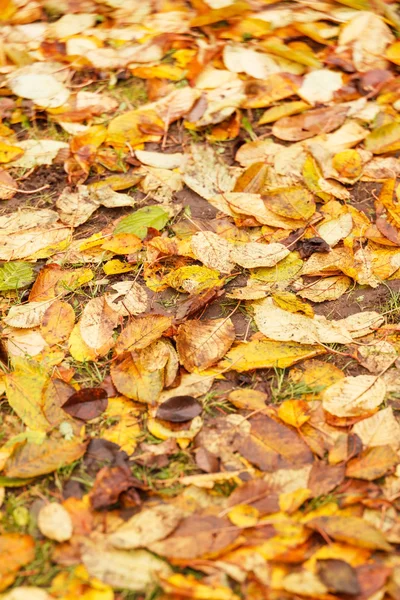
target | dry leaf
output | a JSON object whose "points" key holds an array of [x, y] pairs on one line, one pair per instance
{"points": [[141, 332], [354, 396], [380, 429], [97, 324], [147, 526], [54, 522], [201, 344]]}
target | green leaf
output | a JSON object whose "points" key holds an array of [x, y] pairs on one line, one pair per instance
{"points": [[138, 222], [15, 275], [13, 481]]}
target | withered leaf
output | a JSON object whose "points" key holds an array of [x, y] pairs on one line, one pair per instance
{"points": [[201, 344], [338, 576], [372, 463], [86, 404], [110, 482], [272, 445], [179, 409], [351, 530], [197, 536]]}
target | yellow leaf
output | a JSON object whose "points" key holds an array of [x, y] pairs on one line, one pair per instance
{"points": [[161, 430], [163, 71], [78, 584], [9, 153], [123, 243], [354, 396], [141, 332], [244, 515], [312, 175], [283, 110], [348, 164], [57, 322], [291, 202], [274, 46], [193, 279], [384, 139], [294, 412], [282, 274], [80, 351], [264, 354], [142, 375], [327, 288], [264, 93], [248, 399], [316, 375], [31, 459], [123, 419], [188, 586], [115, 266], [290, 302], [393, 53], [129, 127], [16, 550], [220, 14], [289, 502]]}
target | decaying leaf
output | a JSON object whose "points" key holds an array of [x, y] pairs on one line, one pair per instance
{"points": [[354, 396], [201, 344]]}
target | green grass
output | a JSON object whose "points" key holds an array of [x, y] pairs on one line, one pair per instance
{"points": [[391, 307], [213, 404], [283, 388], [41, 571]]}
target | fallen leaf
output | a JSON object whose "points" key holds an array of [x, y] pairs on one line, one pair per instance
{"points": [[272, 445], [310, 123], [57, 322], [139, 221], [148, 526], [338, 576], [8, 186], [15, 275], [372, 463], [109, 484], [354, 396], [200, 344], [255, 254], [294, 412], [86, 404], [367, 35], [54, 522], [129, 298], [327, 288], [248, 399], [141, 332], [38, 152], [380, 429], [351, 530], [32, 460], [78, 583], [97, 324], [134, 570], [320, 85], [16, 550], [264, 353], [196, 536], [179, 409]]}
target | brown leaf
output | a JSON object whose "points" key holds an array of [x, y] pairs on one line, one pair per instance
{"points": [[372, 463], [110, 482], [86, 404], [179, 409], [201, 344], [351, 530], [310, 123], [256, 493], [338, 576], [57, 322], [197, 536], [325, 478], [272, 445]]}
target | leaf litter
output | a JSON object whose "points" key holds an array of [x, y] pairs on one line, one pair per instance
{"points": [[199, 296]]}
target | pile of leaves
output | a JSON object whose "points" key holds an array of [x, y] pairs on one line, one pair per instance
{"points": [[199, 299]]}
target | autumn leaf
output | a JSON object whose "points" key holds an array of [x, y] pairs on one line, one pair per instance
{"points": [[141, 332], [201, 344]]}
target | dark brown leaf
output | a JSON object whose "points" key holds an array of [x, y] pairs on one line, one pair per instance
{"points": [[86, 404], [256, 493], [338, 576], [179, 409], [110, 482], [307, 247]]}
